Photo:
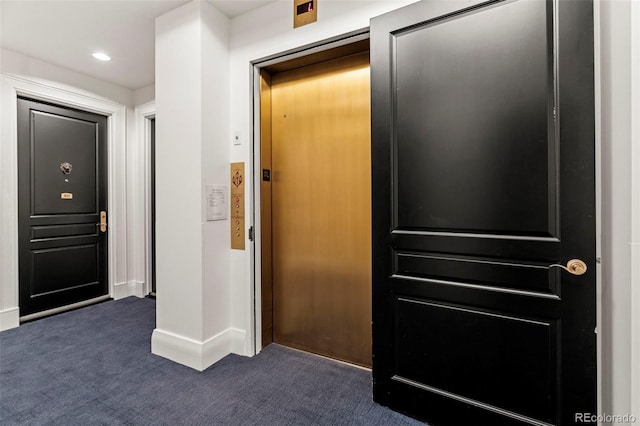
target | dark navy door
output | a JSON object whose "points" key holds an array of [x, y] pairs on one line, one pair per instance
{"points": [[62, 182], [484, 177]]}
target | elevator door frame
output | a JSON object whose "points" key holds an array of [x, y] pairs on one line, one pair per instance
{"points": [[318, 52]]}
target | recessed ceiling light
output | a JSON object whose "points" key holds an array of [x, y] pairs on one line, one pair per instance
{"points": [[102, 56]]}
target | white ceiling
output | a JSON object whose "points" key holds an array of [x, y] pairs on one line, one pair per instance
{"points": [[67, 32]]}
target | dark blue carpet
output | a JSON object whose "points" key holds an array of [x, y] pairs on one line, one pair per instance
{"points": [[93, 366]]}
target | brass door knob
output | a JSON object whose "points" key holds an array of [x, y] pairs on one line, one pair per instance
{"points": [[574, 266]]}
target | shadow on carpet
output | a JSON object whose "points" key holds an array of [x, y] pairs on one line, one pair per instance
{"points": [[93, 366]]}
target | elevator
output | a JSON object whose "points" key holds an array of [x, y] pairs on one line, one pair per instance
{"points": [[316, 204]]}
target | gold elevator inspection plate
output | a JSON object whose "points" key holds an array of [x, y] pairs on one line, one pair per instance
{"points": [[66, 196]]}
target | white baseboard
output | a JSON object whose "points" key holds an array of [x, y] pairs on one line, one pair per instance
{"points": [[238, 341], [195, 354], [9, 318], [129, 288], [120, 290], [136, 288]]}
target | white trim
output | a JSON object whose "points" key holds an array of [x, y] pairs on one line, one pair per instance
{"points": [[143, 114], [9, 318], [129, 288], [137, 288], [126, 289], [195, 354], [635, 318], [635, 208], [238, 341], [256, 246], [14, 86], [120, 291]]}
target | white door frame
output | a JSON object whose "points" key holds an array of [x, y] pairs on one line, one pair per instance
{"points": [[635, 208], [144, 114], [12, 87]]}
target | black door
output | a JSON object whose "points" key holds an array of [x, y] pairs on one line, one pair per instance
{"points": [[483, 177], [62, 181]]}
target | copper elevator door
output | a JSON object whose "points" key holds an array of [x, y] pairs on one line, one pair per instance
{"points": [[321, 205]]}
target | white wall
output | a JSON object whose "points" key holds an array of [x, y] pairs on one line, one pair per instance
{"points": [[22, 74], [616, 287], [264, 32], [18, 64], [192, 149], [144, 95], [215, 170], [178, 139]]}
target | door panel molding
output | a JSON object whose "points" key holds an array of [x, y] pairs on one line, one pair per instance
{"points": [[50, 262], [449, 147], [468, 401], [12, 87], [526, 387], [504, 275]]}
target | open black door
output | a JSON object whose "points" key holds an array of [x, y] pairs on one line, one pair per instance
{"points": [[484, 177]]}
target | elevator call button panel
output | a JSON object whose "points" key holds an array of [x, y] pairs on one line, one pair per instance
{"points": [[237, 206]]}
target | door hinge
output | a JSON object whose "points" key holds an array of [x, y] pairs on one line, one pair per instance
{"points": [[251, 233]]}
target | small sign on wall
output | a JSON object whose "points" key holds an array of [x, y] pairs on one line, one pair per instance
{"points": [[304, 12], [216, 202]]}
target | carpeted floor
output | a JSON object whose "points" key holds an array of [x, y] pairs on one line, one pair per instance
{"points": [[93, 366]]}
